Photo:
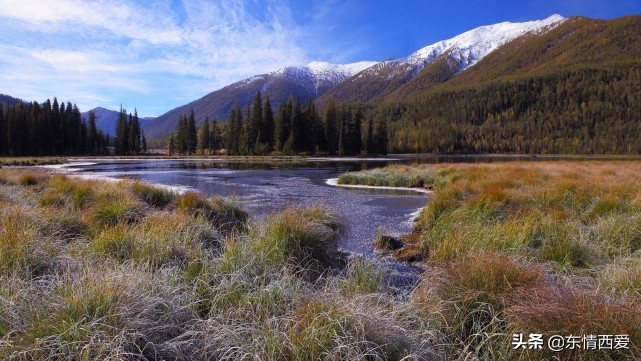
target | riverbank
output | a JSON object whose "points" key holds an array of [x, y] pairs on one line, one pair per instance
{"points": [[31, 161], [544, 247], [335, 182], [94, 269], [91, 269]]}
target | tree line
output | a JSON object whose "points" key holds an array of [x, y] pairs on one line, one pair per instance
{"points": [[130, 138], [50, 128], [294, 129]]}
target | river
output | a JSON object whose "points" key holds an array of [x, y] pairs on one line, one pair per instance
{"points": [[267, 187]]}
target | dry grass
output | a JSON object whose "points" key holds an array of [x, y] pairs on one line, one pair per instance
{"points": [[578, 224], [98, 270]]}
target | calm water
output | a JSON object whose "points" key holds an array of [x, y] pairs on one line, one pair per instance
{"points": [[264, 188]]}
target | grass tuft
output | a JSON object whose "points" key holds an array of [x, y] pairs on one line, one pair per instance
{"points": [[152, 195], [112, 210]]}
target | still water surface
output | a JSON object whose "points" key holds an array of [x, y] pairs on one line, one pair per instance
{"points": [[264, 188]]}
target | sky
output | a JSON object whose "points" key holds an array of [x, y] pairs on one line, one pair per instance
{"points": [[155, 55]]}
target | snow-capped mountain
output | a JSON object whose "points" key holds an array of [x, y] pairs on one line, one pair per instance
{"points": [[360, 81], [462, 52], [472, 46], [317, 75], [305, 82]]}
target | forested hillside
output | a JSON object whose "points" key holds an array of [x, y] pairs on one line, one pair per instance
{"points": [[575, 89], [588, 111]]}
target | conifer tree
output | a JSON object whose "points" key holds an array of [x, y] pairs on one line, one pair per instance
{"points": [[215, 137], [192, 133], [133, 124], [369, 143], [331, 127], [143, 140], [267, 129], [355, 136], [280, 135], [380, 137], [172, 145], [92, 133], [254, 120], [293, 143], [203, 137]]}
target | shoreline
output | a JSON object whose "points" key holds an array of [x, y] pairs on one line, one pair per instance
{"points": [[334, 182], [65, 169]]}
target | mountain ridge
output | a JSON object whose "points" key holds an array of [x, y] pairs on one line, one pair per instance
{"points": [[360, 81], [106, 119]]}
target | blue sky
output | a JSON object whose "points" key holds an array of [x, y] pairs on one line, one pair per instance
{"points": [[156, 55]]}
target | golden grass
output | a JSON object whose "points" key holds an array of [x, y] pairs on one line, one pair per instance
{"points": [[99, 270], [576, 223], [93, 270]]}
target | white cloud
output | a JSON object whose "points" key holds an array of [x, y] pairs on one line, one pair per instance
{"points": [[153, 53]]}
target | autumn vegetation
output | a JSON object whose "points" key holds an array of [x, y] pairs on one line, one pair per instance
{"points": [[125, 270], [541, 247]]}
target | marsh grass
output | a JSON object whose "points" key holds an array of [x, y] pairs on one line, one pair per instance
{"points": [[112, 276], [623, 276], [472, 292], [26, 161], [571, 310], [363, 277], [152, 195], [394, 176], [111, 210], [576, 223], [224, 214], [543, 247]]}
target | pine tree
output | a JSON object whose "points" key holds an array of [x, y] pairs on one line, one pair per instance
{"points": [[331, 127], [312, 128], [203, 137], [122, 133], [214, 137], [267, 129], [172, 145], [92, 133], [192, 133], [234, 126], [134, 133], [143, 140], [369, 143], [293, 143], [181, 135], [246, 144], [380, 137], [355, 136], [280, 126], [254, 124]]}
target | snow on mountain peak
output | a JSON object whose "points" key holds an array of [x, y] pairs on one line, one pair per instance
{"points": [[319, 67], [473, 45]]}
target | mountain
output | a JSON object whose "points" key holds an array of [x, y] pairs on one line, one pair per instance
{"points": [[572, 90], [9, 100], [362, 81], [106, 120], [305, 82], [441, 61]]}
